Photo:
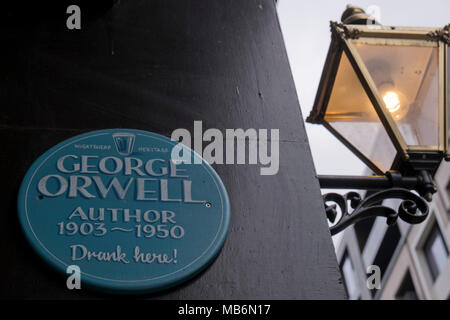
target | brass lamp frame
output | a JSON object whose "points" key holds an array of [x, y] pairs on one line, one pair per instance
{"points": [[408, 159]]}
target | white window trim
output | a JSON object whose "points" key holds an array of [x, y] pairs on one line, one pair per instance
{"points": [[438, 289], [403, 265]]}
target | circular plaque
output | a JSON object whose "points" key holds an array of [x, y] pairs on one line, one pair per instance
{"points": [[117, 205]]}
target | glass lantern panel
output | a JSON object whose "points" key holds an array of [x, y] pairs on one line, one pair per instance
{"points": [[353, 116], [407, 78]]}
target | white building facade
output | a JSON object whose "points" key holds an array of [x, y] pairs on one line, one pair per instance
{"points": [[414, 260]]}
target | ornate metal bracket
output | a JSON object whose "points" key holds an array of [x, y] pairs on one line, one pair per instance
{"points": [[342, 30], [413, 208], [440, 35]]}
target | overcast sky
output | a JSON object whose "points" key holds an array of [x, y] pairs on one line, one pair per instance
{"points": [[306, 32]]}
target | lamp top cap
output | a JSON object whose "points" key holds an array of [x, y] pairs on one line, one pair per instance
{"points": [[356, 15]]}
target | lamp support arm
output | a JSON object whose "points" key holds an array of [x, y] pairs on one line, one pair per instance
{"points": [[364, 182], [422, 182]]}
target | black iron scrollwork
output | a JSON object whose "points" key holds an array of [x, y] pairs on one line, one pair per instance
{"points": [[413, 208]]}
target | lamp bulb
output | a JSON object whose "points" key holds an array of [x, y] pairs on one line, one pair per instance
{"points": [[392, 101]]}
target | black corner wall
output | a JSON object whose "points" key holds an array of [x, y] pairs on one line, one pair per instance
{"points": [[158, 66]]}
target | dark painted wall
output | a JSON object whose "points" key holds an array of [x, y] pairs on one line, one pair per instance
{"points": [[158, 66]]}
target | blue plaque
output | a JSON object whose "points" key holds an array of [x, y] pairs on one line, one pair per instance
{"points": [[115, 204]]}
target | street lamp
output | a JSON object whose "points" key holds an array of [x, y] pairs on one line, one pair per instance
{"points": [[384, 94]]}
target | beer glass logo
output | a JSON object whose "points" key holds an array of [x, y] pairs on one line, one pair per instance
{"points": [[124, 142]]}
